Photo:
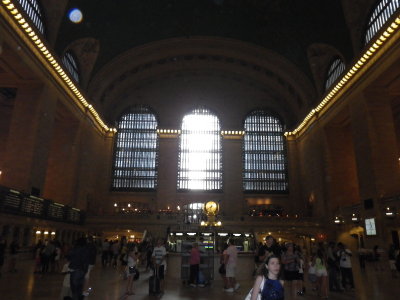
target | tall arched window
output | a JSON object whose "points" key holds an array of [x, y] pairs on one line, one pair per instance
{"points": [[335, 70], [264, 154], [200, 164], [70, 63], [382, 12], [33, 10], [136, 148]]}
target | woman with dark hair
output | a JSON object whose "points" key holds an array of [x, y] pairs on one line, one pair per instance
{"points": [[267, 283]]}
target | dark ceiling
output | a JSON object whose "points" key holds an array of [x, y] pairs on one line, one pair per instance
{"points": [[288, 27]]}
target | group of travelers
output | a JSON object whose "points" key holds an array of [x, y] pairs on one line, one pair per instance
{"points": [[328, 269]]}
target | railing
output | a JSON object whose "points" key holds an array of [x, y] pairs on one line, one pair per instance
{"points": [[23, 204]]}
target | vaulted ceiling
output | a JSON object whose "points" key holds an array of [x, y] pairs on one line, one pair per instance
{"points": [[287, 27]]}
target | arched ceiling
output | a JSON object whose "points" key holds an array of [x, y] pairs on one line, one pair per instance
{"points": [[286, 27]]}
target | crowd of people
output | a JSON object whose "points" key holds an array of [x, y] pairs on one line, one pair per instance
{"points": [[327, 267]]}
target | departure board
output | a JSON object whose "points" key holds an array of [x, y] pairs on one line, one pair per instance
{"points": [[32, 205], [74, 215], [12, 200], [55, 211]]}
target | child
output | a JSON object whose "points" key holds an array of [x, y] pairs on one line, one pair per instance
{"points": [[267, 283]]}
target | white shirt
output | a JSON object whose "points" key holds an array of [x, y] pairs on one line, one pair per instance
{"points": [[345, 258], [159, 253]]}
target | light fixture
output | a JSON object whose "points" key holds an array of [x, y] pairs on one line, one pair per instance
{"points": [[179, 233], [206, 233], [247, 234], [46, 232], [312, 239], [338, 220], [237, 234], [222, 234], [75, 15], [129, 205], [38, 232], [115, 204], [390, 212], [53, 233], [132, 236], [355, 218], [191, 233]]}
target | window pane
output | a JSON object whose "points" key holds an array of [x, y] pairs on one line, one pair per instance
{"points": [[335, 70], [200, 152], [264, 154], [136, 148], [32, 9], [382, 12], [71, 65]]}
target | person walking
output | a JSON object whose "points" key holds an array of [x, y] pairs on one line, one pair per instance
{"points": [[159, 261], [290, 262], [79, 263], [131, 270], [322, 274], [194, 262], [345, 265], [230, 265], [267, 282]]}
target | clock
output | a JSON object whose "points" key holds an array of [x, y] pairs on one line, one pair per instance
{"points": [[211, 208]]}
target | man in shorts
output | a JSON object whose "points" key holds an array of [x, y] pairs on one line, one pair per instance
{"points": [[230, 265]]}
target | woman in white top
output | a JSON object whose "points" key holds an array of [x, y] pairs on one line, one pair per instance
{"points": [[131, 271]]}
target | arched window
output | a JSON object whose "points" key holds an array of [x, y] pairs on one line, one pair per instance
{"points": [[136, 148], [335, 70], [382, 12], [200, 164], [33, 10], [70, 63], [264, 154]]}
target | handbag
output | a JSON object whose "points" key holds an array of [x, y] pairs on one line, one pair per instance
{"points": [[248, 297], [222, 269], [135, 272]]}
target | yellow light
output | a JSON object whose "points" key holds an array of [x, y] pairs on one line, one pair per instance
{"points": [[38, 232], [6, 1], [11, 6]]}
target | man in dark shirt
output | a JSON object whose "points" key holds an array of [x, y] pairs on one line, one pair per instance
{"points": [[270, 248], [79, 263]]}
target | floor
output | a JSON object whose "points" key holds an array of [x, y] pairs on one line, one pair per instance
{"points": [[109, 285]]}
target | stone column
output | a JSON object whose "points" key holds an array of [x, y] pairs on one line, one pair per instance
{"points": [[167, 172], [29, 138], [376, 154], [233, 203]]}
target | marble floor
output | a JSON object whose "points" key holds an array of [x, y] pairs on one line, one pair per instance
{"points": [[109, 285]]}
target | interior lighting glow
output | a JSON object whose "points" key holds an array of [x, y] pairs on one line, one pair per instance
{"points": [[75, 15]]}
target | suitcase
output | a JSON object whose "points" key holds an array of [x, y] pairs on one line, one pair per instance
{"points": [[154, 283]]}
